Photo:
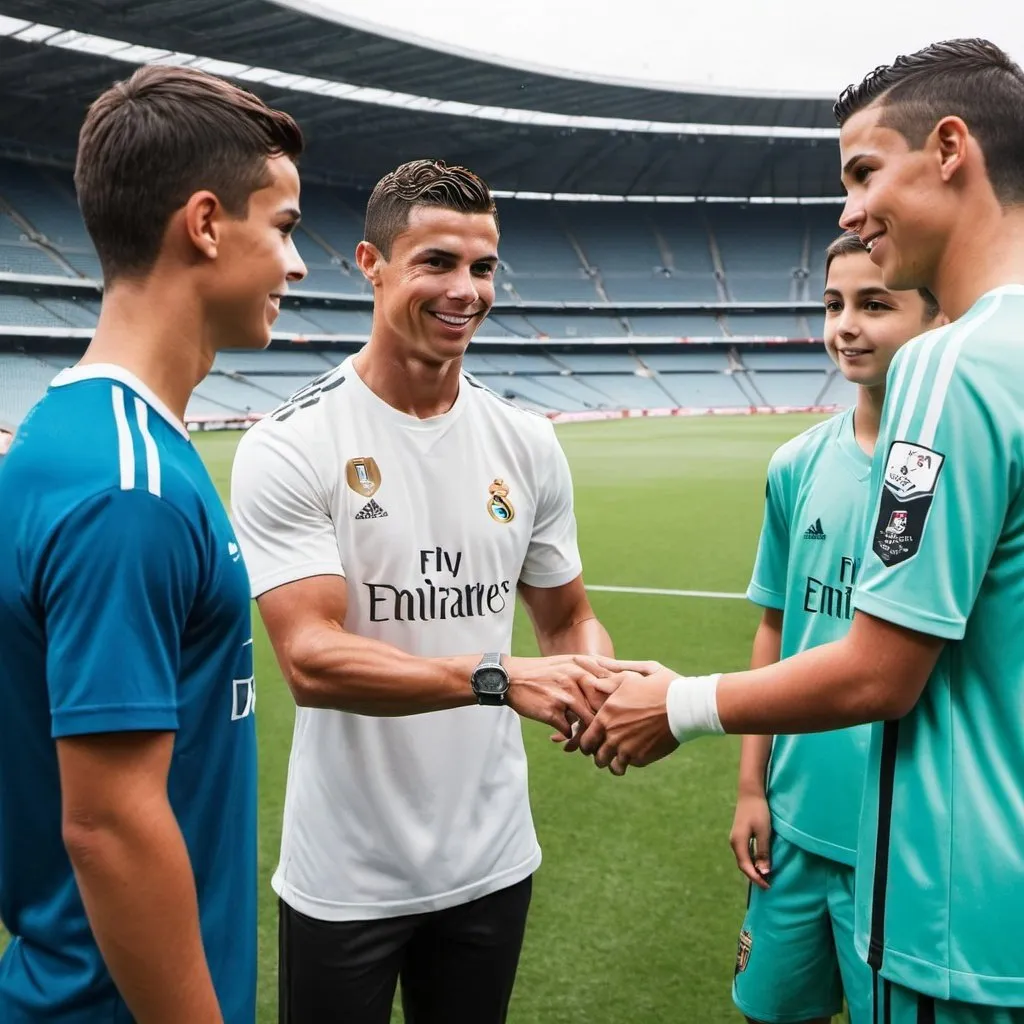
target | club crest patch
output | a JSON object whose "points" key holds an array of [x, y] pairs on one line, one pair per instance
{"points": [[912, 470], [743, 948], [909, 482], [363, 476], [499, 508], [897, 524]]}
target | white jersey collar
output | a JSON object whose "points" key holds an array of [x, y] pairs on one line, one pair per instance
{"points": [[429, 425]]}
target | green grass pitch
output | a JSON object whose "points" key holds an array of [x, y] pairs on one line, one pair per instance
{"points": [[638, 902]]}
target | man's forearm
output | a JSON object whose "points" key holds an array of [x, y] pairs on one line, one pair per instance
{"points": [[137, 885], [587, 636], [346, 672]]}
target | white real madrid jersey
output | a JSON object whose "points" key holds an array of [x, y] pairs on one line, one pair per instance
{"points": [[432, 523]]}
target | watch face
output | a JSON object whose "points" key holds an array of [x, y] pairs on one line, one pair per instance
{"points": [[490, 680]]}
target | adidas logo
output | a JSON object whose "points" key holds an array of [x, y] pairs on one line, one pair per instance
{"points": [[814, 531], [371, 510]]}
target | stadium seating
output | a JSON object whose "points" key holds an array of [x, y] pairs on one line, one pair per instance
{"points": [[25, 257], [337, 321], [506, 325], [244, 383], [605, 257], [816, 360], [551, 251], [22, 380], [839, 391], [303, 364], [704, 390], [675, 325], [790, 389], [760, 248]]}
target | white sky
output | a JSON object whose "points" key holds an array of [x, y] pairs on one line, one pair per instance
{"points": [[802, 46]]}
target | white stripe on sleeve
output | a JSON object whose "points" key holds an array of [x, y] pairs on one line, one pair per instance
{"points": [[125, 449], [907, 404], [945, 373], [152, 455]]}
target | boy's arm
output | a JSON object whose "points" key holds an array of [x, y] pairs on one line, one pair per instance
{"points": [[116, 586], [134, 874], [752, 823]]}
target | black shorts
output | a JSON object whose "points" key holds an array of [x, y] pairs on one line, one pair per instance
{"points": [[457, 966]]}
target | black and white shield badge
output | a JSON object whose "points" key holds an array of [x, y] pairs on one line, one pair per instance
{"points": [[911, 475]]}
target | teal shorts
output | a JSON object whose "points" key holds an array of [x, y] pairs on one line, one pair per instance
{"points": [[795, 960], [897, 1005]]}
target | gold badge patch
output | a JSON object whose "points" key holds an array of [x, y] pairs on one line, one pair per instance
{"points": [[743, 948], [363, 476], [498, 505]]}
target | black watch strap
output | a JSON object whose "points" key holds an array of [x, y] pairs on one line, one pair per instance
{"points": [[487, 694]]}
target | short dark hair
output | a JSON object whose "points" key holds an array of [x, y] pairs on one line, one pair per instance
{"points": [[150, 142], [849, 242], [970, 78], [422, 183]]}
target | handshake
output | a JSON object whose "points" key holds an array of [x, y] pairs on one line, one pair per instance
{"points": [[617, 711]]}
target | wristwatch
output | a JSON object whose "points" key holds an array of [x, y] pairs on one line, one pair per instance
{"points": [[490, 681]]}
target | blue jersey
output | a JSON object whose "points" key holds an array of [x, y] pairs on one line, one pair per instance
{"points": [[124, 605], [807, 562]]}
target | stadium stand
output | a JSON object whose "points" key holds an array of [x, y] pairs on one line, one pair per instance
{"points": [[572, 273], [562, 252], [688, 301]]}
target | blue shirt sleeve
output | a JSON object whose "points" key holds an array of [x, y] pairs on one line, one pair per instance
{"points": [[116, 585], [768, 584]]}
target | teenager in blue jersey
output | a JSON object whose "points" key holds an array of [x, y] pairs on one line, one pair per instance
{"points": [[127, 737], [798, 806], [931, 160]]}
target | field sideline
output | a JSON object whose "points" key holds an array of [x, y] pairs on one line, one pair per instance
{"points": [[637, 905]]}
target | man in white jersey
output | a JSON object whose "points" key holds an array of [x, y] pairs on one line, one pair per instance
{"points": [[389, 513]]}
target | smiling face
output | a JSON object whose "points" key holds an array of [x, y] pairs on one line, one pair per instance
{"points": [[256, 261], [434, 291], [898, 199], [866, 323]]}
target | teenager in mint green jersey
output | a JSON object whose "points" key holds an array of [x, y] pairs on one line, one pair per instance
{"points": [[931, 150], [799, 797]]}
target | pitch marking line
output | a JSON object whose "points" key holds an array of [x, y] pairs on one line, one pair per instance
{"points": [[667, 593]]}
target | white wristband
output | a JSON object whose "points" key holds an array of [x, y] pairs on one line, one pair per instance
{"points": [[692, 706]]}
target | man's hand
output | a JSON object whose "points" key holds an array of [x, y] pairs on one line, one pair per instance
{"points": [[632, 727], [560, 690], [752, 826]]}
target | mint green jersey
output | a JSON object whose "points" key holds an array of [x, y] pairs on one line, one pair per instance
{"points": [[807, 561], [940, 867]]}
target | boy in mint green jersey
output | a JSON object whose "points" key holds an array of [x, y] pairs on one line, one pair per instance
{"points": [[795, 830], [931, 160]]}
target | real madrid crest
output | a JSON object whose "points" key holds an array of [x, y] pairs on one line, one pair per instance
{"points": [[363, 476], [498, 505], [743, 948]]}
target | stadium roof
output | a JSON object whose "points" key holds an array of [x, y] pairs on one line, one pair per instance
{"points": [[49, 75], [303, 37]]}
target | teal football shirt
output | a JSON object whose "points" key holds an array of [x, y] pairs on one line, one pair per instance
{"points": [[807, 562], [940, 871]]}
